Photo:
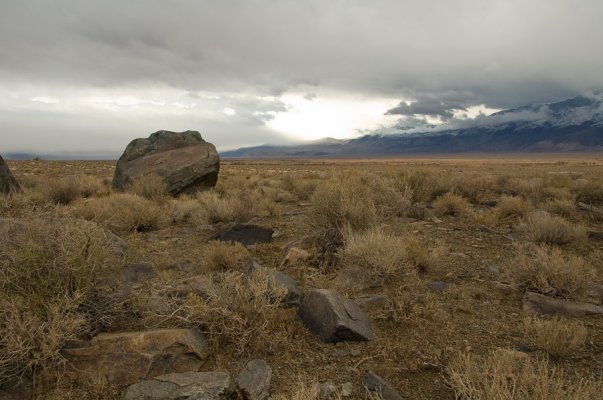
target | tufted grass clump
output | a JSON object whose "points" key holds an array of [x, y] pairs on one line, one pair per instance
{"points": [[557, 336], [48, 286], [542, 227], [451, 204]]}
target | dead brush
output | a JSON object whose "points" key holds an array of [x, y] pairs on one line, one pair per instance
{"points": [[65, 190], [512, 207], [225, 209], [541, 227], [451, 204], [150, 187], [557, 336], [122, 212], [225, 256], [48, 284], [548, 271], [509, 375]]}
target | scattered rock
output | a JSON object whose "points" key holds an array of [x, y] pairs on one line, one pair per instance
{"points": [[372, 300], [199, 285], [128, 357], [8, 183], [138, 273], [437, 286], [495, 269], [377, 385], [254, 381], [503, 287], [246, 234], [326, 389], [183, 386], [183, 160], [296, 256], [278, 281], [347, 389], [535, 303], [334, 318]]}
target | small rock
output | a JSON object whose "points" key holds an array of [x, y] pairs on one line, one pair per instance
{"points": [[377, 385], [277, 280], [341, 353], [535, 303], [503, 287], [254, 381], [347, 389], [199, 285], [138, 273], [369, 301], [246, 234], [438, 286], [183, 386], [334, 318], [495, 269]]}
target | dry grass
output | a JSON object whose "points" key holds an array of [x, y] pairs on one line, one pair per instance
{"points": [[67, 189], [47, 286], [151, 187], [541, 227], [341, 204], [590, 193], [225, 256], [562, 207], [225, 209], [512, 207], [122, 212], [509, 375], [550, 272], [557, 336], [451, 204]]}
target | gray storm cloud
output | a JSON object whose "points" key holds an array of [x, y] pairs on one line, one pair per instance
{"points": [[435, 57]]}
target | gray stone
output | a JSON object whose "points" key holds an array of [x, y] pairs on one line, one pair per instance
{"points": [[278, 281], [254, 381], [377, 385], [199, 285], [495, 269], [372, 300], [334, 318], [246, 234], [8, 183], [535, 303], [128, 357], [437, 286], [183, 386], [183, 160], [138, 273]]}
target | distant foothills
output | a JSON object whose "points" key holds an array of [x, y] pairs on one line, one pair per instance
{"points": [[572, 125]]}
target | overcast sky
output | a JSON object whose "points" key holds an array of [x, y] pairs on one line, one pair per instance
{"points": [[88, 76]]}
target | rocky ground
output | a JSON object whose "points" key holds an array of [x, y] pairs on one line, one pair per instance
{"points": [[404, 327]]}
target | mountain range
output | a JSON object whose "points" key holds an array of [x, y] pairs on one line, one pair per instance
{"points": [[571, 125]]}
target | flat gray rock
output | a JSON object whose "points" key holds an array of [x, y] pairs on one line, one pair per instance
{"points": [[254, 381], [183, 386], [333, 318], [535, 303], [377, 385], [247, 234], [183, 160]]}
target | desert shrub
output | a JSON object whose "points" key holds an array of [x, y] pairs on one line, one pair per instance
{"points": [[65, 190], [243, 316], [557, 336], [122, 212], [185, 210], [225, 256], [451, 204], [548, 271], [420, 256], [378, 253], [17, 204], [225, 209], [590, 193], [562, 207], [425, 184], [541, 227], [474, 187], [48, 291], [390, 199], [530, 188], [509, 375], [151, 187], [512, 207], [340, 204]]}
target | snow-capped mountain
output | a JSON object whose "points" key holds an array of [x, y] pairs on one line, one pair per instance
{"points": [[574, 124]]}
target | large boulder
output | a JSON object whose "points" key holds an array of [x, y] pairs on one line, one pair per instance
{"points": [[184, 161], [253, 382], [8, 183], [333, 318], [128, 357]]}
